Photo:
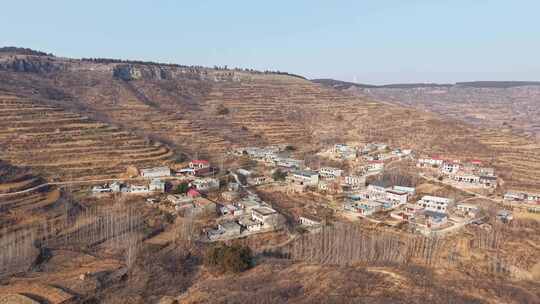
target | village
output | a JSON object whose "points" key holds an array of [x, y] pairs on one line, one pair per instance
{"points": [[361, 185]]}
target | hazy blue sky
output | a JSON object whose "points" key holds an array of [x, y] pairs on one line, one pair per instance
{"points": [[378, 41]]}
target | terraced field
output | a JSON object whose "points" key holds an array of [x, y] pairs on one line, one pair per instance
{"points": [[61, 145], [26, 198]]}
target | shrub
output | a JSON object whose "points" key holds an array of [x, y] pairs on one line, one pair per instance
{"points": [[182, 188], [279, 175], [223, 258], [290, 148], [222, 110]]}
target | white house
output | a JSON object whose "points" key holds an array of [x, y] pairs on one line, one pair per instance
{"points": [[199, 164], [436, 204], [157, 185], [257, 180], [289, 163], [514, 196], [397, 196], [304, 177], [367, 207], [430, 162], [101, 189], [308, 221], [250, 224], [465, 178], [355, 180], [330, 172], [410, 190], [156, 172], [468, 209], [139, 189], [378, 188], [265, 215], [205, 184], [116, 187], [375, 166], [450, 167]]}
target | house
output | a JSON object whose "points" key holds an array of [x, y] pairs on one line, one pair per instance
{"points": [[486, 171], [378, 188], [116, 187], [156, 172], [397, 196], [409, 212], [330, 172], [199, 164], [468, 209], [139, 189], [265, 215], [304, 178], [231, 210], [101, 189], [206, 184], [289, 163], [466, 178], [514, 196], [157, 185], [309, 221], [436, 204], [410, 190], [430, 162], [364, 207], [450, 167], [488, 181], [250, 224], [355, 180], [196, 167], [504, 216], [257, 180], [435, 219], [233, 186], [533, 197], [375, 166], [248, 204], [367, 207]]}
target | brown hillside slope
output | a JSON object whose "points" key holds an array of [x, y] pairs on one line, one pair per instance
{"points": [[207, 111], [67, 146]]}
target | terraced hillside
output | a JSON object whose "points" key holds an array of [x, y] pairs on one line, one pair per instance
{"points": [[26, 198], [62, 145], [206, 112]]}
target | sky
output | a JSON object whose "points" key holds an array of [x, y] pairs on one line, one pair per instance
{"points": [[376, 42]]}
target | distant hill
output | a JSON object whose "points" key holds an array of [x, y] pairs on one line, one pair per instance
{"points": [[498, 84], [343, 85]]}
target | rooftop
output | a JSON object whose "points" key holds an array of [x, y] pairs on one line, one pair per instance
{"points": [[305, 173], [265, 211]]}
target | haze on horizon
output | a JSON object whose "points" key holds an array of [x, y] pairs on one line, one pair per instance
{"points": [[375, 42]]}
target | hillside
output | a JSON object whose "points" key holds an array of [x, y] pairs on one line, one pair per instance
{"points": [[491, 104], [119, 113], [66, 120]]}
